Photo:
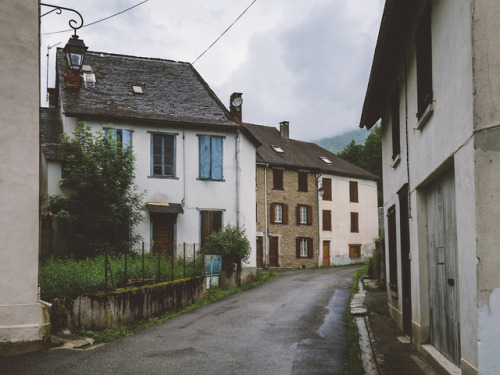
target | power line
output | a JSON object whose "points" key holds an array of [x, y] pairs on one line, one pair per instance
{"points": [[102, 19], [224, 31]]}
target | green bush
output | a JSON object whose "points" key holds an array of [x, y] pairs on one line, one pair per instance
{"points": [[231, 243]]}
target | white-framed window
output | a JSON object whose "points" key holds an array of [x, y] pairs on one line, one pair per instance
{"points": [[302, 214], [303, 247], [278, 213]]}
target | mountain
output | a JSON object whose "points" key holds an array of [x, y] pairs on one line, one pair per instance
{"points": [[338, 143]]}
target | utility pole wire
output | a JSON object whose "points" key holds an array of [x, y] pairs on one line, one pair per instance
{"points": [[102, 19], [236, 20]]}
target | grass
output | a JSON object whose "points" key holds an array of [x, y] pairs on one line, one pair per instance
{"points": [[355, 361], [66, 274], [213, 295]]}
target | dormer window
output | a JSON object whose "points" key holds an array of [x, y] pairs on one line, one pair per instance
{"points": [[325, 159], [277, 148]]}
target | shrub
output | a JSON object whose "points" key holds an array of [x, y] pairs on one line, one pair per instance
{"points": [[231, 243]]}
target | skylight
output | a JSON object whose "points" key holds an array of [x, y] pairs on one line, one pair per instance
{"points": [[325, 159], [137, 89], [277, 148]]}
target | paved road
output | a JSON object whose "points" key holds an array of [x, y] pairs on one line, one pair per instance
{"points": [[293, 324]]}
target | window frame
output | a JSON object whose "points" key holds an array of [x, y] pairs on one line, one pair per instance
{"points": [[302, 181], [164, 136], [327, 220], [326, 183], [354, 251], [274, 209], [396, 124], [119, 135], [353, 192], [304, 247], [423, 45], [392, 248]]}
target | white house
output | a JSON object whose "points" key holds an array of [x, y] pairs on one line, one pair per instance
{"points": [[21, 315], [193, 157], [435, 83]]}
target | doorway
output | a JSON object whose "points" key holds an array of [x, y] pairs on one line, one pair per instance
{"points": [[163, 233], [259, 252], [273, 251], [326, 254]]}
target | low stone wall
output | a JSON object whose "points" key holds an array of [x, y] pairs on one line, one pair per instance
{"points": [[236, 279], [100, 311]]}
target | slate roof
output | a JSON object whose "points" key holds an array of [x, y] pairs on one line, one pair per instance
{"points": [[301, 155], [50, 131], [174, 92]]}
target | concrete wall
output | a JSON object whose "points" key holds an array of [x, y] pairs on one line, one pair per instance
{"points": [[340, 236], [100, 311], [235, 195], [486, 54], [22, 317]]}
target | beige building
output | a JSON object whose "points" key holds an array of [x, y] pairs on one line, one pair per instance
{"points": [[435, 83], [306, 213], [21, 315]]}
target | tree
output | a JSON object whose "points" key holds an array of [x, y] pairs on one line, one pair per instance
{"points": [[367, 156], [231, 243], [101, 205]]}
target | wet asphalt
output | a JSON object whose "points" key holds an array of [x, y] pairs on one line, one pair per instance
{"points": [[293, 324]]}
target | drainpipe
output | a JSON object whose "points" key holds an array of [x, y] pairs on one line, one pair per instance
{"points": [[319, 228], [237, 178], [184, 167], [266, 250], [407, 144]]}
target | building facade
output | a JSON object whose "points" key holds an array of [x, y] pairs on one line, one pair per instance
{"points": [[435, 85]]}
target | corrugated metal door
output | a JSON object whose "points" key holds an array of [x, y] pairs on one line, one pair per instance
{"points": [[443, 269]]}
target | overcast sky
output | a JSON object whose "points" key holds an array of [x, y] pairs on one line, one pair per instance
{"points": [[303, 61]]}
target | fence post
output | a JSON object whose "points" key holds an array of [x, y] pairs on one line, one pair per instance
{"points": [[143, 262], [184, 260], [172, 264], [194, 259], [125, 276], [106, 268], [159, 266]]}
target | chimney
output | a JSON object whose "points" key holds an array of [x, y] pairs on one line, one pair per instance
{"points": [[235, 105], [284, 129]]}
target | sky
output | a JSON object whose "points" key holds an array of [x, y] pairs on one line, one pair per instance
{"points": [[302, 61]]}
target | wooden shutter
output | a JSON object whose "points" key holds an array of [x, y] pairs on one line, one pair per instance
{"points": [[277, 179], [353, 191], [297, 247], [216, 156], [298, 214], [354, 222], [327, 189], [285, 213], [271, 213], [302, 181], [126, 138], [204, 156], [310, 250], [327, 220], [309, 215]]}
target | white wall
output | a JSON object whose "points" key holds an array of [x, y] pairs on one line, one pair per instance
{"points": [[187, 189], [21, 316], [340, 236]]}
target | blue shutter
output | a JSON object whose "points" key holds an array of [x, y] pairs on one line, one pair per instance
{"points": [[126, 138], [216, 154], [111, 135], [204, 156]]}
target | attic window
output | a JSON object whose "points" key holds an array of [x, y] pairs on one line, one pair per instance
{"points": [[137, 89], [277, 148], [89, 79], [325, 159], [86, 69]]}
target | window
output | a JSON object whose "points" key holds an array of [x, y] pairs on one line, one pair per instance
{"points": [[354, 251], [396, 143], [327, 220], [304, 247], [327, 187], [302, 181], [162, 155], [278, 179], [277, 148], [353, 191], [304, 215], [424, 61], [279, 213], [122, 137], [354, 222], [393, 257], [325, 159], [210, 221], [210, 157]]}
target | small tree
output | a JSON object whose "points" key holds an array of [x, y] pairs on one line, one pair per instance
{"points": [[231, 243], [101, 205]]}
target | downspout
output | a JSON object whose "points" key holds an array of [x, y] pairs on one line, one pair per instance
{"points": [[407, 144], [237, 179], [265, 212], [319, 228], [183, 203]]}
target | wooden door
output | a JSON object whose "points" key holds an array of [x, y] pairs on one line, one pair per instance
{"points": [[404, 221], [443, 269], [273, 251], [163, 233], [326, 254], [259, 252]]}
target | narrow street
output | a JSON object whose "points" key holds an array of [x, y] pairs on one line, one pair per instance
{"points": [[293, 324]]}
